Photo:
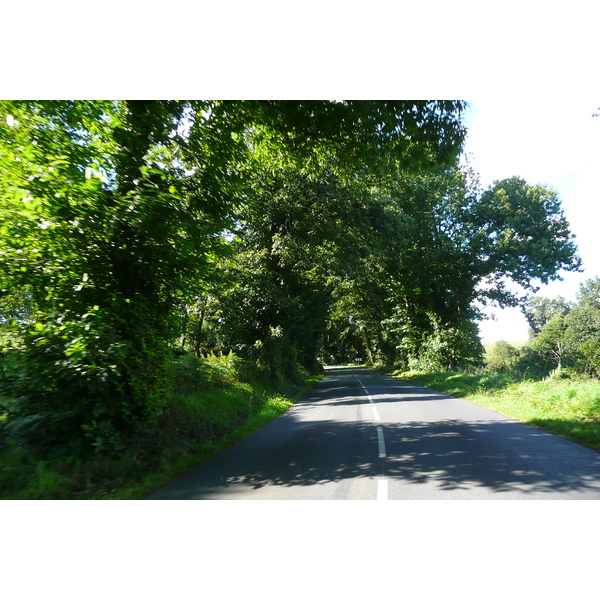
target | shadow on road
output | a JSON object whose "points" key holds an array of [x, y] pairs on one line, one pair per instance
{"points": [[453, 455]]}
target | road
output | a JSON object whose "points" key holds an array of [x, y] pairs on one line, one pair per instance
{"points": [[359, 435]]}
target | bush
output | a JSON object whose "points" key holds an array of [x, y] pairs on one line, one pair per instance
{"points": [[275, 361], [193, 373], [503, 356], [78, 385]]}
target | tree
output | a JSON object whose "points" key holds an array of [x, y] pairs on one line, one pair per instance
{"points": [[523, 233], [503, 356], [568, 334], [98, 229], [550, 342], [296, 240], [582, 335], [589, 293], [455, 244], [113, 217], [300, 227], [538, 311], [450, 348]]}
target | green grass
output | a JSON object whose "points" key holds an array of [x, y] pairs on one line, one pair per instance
{"points": [[210, 411], [268, 406], [566, 407], [489, 346]]}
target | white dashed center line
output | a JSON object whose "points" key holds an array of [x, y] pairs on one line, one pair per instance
{"points": [[382, 484], [375, 413], [381, 442]]}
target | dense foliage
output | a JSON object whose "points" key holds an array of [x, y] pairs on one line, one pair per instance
{"points": [[446, 245], [286, 234], [124, 223], [564, 338]]}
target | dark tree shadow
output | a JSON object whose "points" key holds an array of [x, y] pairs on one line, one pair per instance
{"points": [[502, 456]]}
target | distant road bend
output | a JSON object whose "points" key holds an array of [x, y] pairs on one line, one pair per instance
{"points": [[359, 435]]}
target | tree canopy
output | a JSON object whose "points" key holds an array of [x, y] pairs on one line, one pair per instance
{"points": [[289, 232]]}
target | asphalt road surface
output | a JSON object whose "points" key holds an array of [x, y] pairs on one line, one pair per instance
{"points": [[359, 435]]}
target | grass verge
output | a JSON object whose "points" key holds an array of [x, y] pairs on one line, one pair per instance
{"points": [[210, 411], [271, 406], [566, 407]]}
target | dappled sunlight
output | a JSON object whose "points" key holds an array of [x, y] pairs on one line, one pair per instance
{"points": [[495, 457], [436, 447]]}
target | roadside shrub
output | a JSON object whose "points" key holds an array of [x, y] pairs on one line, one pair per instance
{"points": [[193, 373], [589, 358], [503, 356], [78, 384], [449, 349], [274, 361]]}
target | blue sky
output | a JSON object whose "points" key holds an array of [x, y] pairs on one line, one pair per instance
{"points": [[549, 140]]}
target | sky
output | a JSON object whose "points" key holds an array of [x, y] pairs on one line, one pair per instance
{"points": [[549, 140]]}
